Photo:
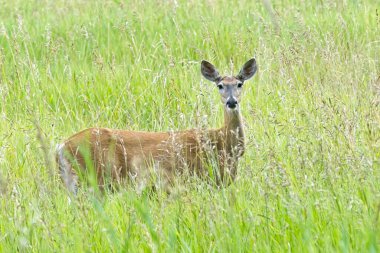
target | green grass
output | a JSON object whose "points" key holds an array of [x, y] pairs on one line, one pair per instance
{"points": [[309, 180]]}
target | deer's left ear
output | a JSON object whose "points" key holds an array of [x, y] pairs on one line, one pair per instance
{"points": [[248, 70]]}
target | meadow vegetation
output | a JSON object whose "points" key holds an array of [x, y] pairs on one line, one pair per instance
{"points": [[309, 180]]}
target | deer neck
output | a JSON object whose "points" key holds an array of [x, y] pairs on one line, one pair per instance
{"points": [[233, 131]]}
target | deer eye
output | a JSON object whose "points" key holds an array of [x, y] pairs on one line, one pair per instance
{"points": [[240, 85], [220, 86]]}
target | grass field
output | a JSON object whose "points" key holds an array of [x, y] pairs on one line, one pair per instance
{"points": [[309, 180]]}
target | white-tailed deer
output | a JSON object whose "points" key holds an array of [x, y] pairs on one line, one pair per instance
{"points": [[117, 155]]}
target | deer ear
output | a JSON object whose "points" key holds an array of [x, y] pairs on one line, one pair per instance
{"points": [[209, 71], [248, 70]]}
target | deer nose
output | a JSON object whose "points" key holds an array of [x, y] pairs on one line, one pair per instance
{"points": [[231, 103]]}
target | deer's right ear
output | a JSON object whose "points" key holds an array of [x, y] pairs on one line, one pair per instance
{"points": [[210, 72]]}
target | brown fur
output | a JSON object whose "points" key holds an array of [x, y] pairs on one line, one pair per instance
{"points": [[118, 154]]}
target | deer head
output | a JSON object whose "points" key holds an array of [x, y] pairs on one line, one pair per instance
{"points": [[230, 87]]}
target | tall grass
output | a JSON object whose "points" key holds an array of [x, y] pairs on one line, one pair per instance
{"points": [[310, 179]]}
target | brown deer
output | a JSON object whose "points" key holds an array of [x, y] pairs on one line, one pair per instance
{"points": [[116, 155]]}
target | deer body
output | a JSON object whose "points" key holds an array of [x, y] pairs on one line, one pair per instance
{"points": [[117, 155]]}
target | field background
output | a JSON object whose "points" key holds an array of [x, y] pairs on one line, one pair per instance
{"points": [[310, 178]]}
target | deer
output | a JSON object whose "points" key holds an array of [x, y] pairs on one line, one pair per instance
{"points": [[116, 156]]}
